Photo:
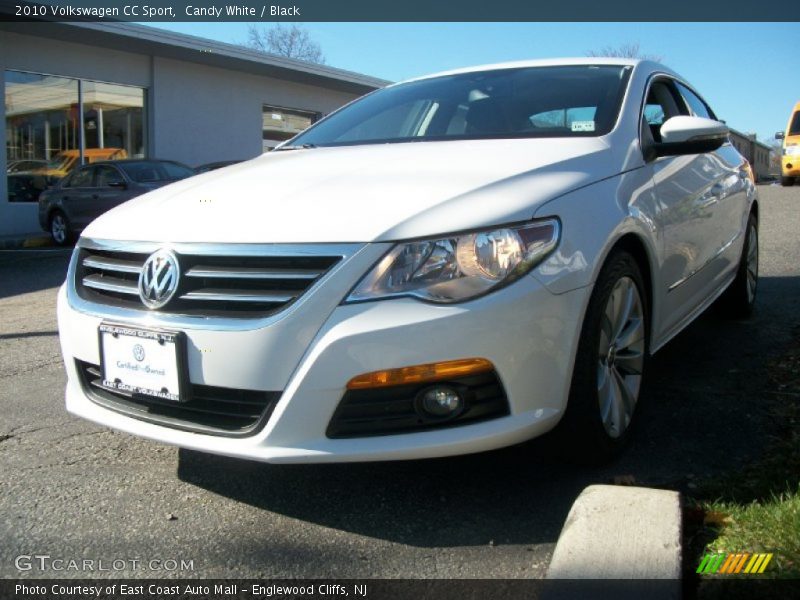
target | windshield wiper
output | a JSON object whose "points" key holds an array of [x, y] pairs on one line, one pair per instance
{"points": [[302, 147]]}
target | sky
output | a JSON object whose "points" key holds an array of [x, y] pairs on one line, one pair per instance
{"points": [[743, 70]]}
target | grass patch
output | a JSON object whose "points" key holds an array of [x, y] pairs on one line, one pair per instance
{"points": [[762, 526], [757, 509]]}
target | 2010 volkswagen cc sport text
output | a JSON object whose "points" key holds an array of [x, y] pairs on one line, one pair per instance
{"points": [[448, 265]]}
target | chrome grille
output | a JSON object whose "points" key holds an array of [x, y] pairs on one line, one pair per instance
{"points": [[236, 285]]}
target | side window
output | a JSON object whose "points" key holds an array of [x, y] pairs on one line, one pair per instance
{"points": [[67, 181], [659, 106], [108, 177], [695, 104], [82, 178], [654, 114]]}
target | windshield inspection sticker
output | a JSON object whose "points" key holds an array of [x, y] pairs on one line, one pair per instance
{"points": [[583, 126]]}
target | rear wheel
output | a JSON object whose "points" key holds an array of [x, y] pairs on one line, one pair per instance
{"points": [[787, 181], [609, 365], [740, 297], [60, 229]]}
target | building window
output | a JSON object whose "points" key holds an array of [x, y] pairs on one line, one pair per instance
{"points": [[281, 124], [44, 137], [112, 118]]}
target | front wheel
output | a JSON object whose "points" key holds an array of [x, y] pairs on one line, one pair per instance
{"points": [[787, 181], [60, 229], [609, 365]]}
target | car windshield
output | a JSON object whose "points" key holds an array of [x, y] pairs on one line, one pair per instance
{"points": [[566, 101], [148, 171], [794, 127]]}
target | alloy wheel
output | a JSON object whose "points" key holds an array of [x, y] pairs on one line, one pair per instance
{"points": [[58, 228], [621, 355]]}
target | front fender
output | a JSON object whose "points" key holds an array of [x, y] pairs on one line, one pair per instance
{"points": [[594, 219]]}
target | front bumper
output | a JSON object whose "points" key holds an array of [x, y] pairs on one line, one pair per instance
{"points": [[790, 165], [528, 333]]}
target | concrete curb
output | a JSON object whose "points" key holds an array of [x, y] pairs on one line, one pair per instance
{"points": [[620, 532], [33, 240]]}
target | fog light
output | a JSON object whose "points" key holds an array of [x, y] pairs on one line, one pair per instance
{"points": [[441, 401]]}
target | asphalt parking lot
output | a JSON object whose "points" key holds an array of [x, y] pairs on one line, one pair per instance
{"points": [[73, 490]]}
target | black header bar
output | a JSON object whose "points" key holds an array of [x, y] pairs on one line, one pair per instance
{"points": [[165, 11]]}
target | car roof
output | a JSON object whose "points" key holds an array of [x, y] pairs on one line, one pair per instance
{"points": [[133, 161], [551, 62]]}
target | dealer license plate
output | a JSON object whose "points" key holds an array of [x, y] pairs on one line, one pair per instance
{"points": [[142, 361]]}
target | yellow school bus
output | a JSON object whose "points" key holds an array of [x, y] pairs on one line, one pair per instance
{"points": [[790, 159]]}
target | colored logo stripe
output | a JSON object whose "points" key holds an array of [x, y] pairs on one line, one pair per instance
{"points": [[734, 563]]}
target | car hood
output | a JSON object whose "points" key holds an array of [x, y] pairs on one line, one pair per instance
{"points": [[362, 193]]}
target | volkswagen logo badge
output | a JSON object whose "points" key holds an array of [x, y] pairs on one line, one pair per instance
{"points": [[138, 352], [159, 279]]}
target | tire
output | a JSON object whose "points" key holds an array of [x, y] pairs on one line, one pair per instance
{"points": [[609, 365], [787, 181], [60, 229], [740, 297]]}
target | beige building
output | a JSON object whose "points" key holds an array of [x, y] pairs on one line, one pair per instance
{"points": [[76, 92], [758, 153]]}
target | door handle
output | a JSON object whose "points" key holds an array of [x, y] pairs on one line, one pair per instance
{"points": [[95, 196], [706, 200], [717, 190]]}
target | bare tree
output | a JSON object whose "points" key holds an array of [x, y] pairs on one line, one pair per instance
{"points": [[291, 42], [629, 50]]}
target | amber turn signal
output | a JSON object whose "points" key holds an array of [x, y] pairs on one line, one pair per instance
{"points": [[451, 369]]}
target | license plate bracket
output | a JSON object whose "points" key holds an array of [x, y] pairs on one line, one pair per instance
{"points": [[143, 361]]}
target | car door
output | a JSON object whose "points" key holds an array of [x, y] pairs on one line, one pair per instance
{"points": [[75, 196], [111, 189], [730, 188], [687, 189]]}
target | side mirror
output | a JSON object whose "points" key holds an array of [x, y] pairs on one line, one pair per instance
{"points": [[691, 135], [779, 135]]}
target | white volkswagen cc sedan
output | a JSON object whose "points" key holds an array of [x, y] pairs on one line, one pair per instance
{"points": [[448, 265]]}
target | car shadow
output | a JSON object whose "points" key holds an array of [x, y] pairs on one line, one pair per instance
{"points": [[495, 497], [702, 413]]}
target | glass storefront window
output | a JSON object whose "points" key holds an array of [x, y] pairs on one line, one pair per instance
{"points": [[112, 121], [42, 123], [43, 132], [280, 124]]}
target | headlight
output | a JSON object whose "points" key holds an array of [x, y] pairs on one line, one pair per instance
{"points": [[791, 151], [459, 267]]}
